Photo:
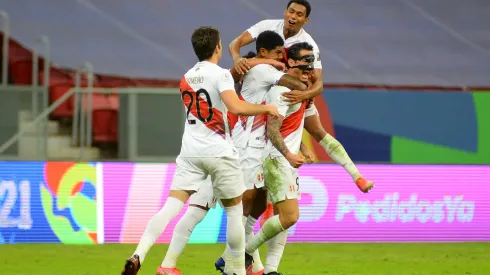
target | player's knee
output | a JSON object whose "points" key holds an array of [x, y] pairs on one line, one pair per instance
{"points": [[289, 218], [248, 201]]}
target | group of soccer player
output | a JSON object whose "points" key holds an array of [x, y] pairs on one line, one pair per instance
{"points": [[242, 143]]}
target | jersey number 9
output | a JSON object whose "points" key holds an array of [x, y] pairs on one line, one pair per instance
{"points": [[195, 105]]}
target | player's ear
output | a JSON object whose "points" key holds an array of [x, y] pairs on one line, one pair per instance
{"points": [[307, 19], [263, 52], [290, 62], [218, 47]]}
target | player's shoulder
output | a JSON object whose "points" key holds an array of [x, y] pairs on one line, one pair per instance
{"points": [[270, 22], [278, 89], [263, 68], [308, 38]]}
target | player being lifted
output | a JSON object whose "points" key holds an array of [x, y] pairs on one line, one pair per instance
{"points": [[248, 136], [207, 149], [291, 29]]}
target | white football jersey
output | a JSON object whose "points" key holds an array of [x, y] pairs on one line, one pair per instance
{"points": [[278, 27], [250, 131], [205, 134], [292, 126]]}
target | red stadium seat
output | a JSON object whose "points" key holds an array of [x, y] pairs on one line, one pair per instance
{"points": [[66, 108], [105, 114], [20, 71]]}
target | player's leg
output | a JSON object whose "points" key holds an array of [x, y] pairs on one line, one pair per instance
{"points": [[283, 190], [199, 204], [251, 160], [228, 186], [187, 179], [333, 148], [258, 207], [275, 250]]}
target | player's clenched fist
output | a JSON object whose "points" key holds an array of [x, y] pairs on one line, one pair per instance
{"points": [[272, 110], [295, 160]]}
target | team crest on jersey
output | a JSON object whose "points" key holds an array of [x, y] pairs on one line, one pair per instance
{"points": [[318, 58], [260, 177]]}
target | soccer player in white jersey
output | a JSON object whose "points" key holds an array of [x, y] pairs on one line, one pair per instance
{"points": [[282, 161], [207, 149], [291, 29], [248, 136]]}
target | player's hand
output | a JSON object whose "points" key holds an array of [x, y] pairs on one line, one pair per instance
{"points": [[309, 157], [278, 65], [294, 97], [242, 66], [295, 160], [271, 110], [309, 83]]}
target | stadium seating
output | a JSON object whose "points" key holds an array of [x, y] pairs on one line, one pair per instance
{"points": [[105, 107]]}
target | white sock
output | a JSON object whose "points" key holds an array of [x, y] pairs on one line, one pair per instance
{"points": [[182, 232], [274, 251], [337, 152], [249, 233], [157, 225], [229, 268], [269, 230], [235, 236]]}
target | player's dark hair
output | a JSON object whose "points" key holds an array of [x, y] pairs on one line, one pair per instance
{"points": [[294, 50], [250, 54], [204, 41], [304, 3], [268, 40]]}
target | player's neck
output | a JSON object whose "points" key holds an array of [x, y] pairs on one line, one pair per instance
{"points": [[213, 59], [289, 33]]}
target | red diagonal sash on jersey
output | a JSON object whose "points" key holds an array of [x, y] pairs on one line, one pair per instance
{"points": [[217, 124], [243, 119], [293, 122], [259, 120]]}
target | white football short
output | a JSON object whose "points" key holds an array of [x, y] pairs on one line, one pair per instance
{"points": [[311, 111], [282, 179], [252, 161], [204, 197], [225, 172]]}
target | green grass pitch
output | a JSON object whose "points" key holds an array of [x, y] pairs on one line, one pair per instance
{"points": [[299, 259]]}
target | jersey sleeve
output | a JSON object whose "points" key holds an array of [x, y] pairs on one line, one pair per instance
{"points": [[268, 74], [274, 96], [316, 51], [256, 29], [225, 82]]}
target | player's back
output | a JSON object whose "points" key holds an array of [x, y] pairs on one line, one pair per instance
{"points": [[205, 134], [292, 126], [250, 131]]}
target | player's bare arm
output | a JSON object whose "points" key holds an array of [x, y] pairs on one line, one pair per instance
{"points": [[309, 157], [292, 83], [274, 135], [236, 44], [241, 64], [293, 97], [243, 108]]}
